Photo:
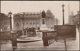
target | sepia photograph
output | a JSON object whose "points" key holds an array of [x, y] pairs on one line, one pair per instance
{"points": [[39, 25]]}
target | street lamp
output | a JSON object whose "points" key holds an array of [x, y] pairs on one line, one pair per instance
{"points": [[13, 34], [23, 21], [10, 14], [63, 12], [63, 25]]}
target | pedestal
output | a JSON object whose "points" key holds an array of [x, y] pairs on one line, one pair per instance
{"points": [[43, 27]]}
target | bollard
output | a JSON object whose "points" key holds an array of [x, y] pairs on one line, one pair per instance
{"points": [[14, 41], [45, 39]]}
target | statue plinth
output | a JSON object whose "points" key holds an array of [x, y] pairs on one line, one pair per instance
{"points": [[44, 27]]}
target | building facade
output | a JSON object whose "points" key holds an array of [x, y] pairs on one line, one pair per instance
{"points": [[26, 20], [30, 19]]}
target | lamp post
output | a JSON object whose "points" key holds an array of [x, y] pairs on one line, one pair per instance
{"points": [[10, 14], [23, 22], [63, 12], [13, 34], [64, 38]]}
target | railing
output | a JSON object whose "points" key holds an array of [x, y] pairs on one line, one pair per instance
{"points": [[48, 37]]}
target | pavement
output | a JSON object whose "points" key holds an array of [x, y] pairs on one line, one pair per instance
{"points": [[38, 45]]}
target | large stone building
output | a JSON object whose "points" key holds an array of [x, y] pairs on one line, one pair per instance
{"points": [[26, 20], [32, 19]]}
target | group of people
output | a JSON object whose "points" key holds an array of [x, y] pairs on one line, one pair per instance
{"points": [[27, 31]]}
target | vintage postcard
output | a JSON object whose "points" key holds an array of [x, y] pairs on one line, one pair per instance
{"points": [[39, 25]]}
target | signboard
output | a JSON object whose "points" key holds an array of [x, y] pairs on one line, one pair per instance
{"points": [[63, 31], [51, 37], [66, 30], [48, 37]]}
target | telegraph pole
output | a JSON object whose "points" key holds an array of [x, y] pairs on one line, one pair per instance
{"points": [[23, 22], [63, 12], [64, 38]]}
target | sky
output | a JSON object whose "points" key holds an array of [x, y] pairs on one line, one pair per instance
{"points": [[38, 6]]}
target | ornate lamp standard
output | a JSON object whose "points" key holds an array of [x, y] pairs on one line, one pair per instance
{"points": [[23, 22], [13, 34], [10, 15], [64, 38]]}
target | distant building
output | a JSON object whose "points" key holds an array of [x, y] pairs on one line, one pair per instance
{"points": [[30, 19], [71, 19], [26, 20], [74, 19], [4, 22]]}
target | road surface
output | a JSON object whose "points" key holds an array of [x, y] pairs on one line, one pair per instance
{"points": [[72, 44]]}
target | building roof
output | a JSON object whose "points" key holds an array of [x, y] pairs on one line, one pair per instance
{"points": [[30, 15]]}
